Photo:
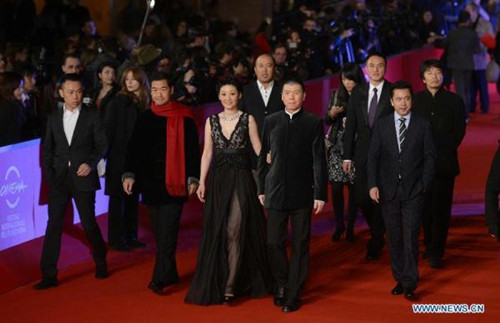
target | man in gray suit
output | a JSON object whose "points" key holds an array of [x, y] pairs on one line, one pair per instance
{"points": [[401, 164], [460, 46]]}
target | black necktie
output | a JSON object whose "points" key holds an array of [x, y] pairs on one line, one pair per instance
{"points": [[373, 108], [402, 133]]}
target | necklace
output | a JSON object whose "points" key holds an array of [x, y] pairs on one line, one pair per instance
{"points": [[232, 117]]}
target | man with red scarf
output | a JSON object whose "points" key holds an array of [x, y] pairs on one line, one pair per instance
{"points": [[163, 163]]}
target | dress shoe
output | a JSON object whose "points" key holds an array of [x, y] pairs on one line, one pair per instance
{"points": [[291, 306], [46, 283], [350, 237], [134, 243], [228, 299], [122, 247], [409, 294], [372, 255], [156, 287], [279, 297], [397, 290], [435, 263], [337, 235], [101, 271]]}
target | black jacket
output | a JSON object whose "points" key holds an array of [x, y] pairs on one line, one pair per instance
{"points": [[415, 163], [460, 46], [252, 102], [106, 100], [357, 131], [10, 123], [297, 174], [119, 121], [446, 112], [88, 146], [147, 152]]}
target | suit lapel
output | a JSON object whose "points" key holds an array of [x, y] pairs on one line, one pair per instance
{"points": [[364, 102], [275, 96], [393, 135], [60, 125], [79, 124], [384, 97], [409, 134], [261, 100]]}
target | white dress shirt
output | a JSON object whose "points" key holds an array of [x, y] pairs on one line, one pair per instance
{"points": [[69, 121], [371, 93], [265, 93], [291, 114], [397, 124]]}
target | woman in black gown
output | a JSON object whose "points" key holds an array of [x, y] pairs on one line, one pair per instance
{"points": [[232, 258]]}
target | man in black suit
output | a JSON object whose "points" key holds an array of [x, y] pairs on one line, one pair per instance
{"points": [[368, 103], [74, 143], [164, 135], [292, 181], [446, 112], [491, 193], [401, 161], [460, 46], [262, 97]]}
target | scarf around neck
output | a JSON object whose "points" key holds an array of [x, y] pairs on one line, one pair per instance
{"points": [[175, 159]]}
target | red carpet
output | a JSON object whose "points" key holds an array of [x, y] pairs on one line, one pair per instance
{"points": [[342, 287]]}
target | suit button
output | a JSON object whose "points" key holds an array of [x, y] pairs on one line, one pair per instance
{"points": [[265, 112]]}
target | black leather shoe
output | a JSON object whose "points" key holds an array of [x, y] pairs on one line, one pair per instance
{"points": [[397, 290], [350, 237], [409, 294], [46, 283], [337, 235], [435, 263], [291, 307], [279, 297], [122, 247], [134, 243], [101, 271], [228, 299], [372, 255], [156, 287]]}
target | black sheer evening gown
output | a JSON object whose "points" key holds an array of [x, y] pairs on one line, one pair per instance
{"points": [[232, 258]]}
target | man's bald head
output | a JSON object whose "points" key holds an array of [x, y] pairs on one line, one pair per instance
{"points": [[264, 68]]}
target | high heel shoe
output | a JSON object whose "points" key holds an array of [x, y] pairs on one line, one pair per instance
{"points": [[228, 299], [337, 235]]}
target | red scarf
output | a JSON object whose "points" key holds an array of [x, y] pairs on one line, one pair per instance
{"points": [[175, 159]]}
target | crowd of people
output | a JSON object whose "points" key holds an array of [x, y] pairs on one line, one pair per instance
{"points": [[306, 41], [396, 151]]}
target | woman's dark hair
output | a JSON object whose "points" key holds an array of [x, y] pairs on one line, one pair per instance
{"points": [[229, 81], [104, 65], [353, 72], [9, 81]]}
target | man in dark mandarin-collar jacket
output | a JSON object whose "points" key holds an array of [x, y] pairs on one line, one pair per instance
{"points": [[446, 112], [292, 181]]}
